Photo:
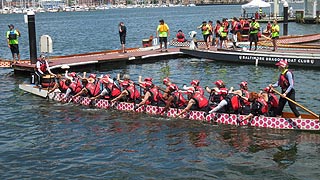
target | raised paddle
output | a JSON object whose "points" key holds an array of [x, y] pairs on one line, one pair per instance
{"points": [[294, 102]]}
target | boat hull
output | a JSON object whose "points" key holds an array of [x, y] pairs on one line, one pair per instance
{"points": [[216, 118], [256, 57]]}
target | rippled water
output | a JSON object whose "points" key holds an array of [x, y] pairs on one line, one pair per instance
{"points": [[42, 139]]}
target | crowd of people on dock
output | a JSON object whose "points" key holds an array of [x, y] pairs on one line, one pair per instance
{"points": [[145, 92], [222, 32]]}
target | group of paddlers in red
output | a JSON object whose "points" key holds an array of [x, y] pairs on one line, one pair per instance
{"points": [[221, 100]]}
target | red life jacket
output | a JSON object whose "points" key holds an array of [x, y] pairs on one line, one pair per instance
{"points": [[115, 91], [62, 86], [283, 80], [43, 65], [235, 102], [245, 93], [133, 92], [180, 100], [180, 37], [263, 102], [94, 89], [216, 30], [201, 101], [155, 95], [273, 100], [75, 87]]}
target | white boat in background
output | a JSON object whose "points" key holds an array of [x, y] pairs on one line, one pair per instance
{"points": [[17, 11], [6, 10], [53, 9]]}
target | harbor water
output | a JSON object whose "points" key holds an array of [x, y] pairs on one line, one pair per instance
{"points": [[42, 139]]}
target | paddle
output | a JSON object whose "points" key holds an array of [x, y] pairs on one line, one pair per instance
{"points": [[294, 102]]}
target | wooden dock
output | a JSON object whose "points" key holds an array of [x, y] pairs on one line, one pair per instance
{"points": [[100, 59]]}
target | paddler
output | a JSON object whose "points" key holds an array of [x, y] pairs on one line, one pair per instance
{"points": [[60, 83], [259, 105], [273, 101], [129, 92], [110, 89], [286, 82], [196, 102], [152, 95]]}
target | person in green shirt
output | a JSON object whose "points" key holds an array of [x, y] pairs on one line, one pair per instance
{"points": [[163, 32], [13, 43], [254, 30], [275, 29]]}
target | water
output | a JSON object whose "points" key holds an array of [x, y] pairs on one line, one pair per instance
{"points": [[42, 139]]}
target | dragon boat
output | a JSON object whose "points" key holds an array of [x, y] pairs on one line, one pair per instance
{"points": [[307, 122]]}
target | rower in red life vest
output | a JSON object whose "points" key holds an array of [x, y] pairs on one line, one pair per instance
{"points": [[259, 105], [171, 96], [152, 95], [286, 82], [230, 103], [180, 36], [110, 89], [129, 92], [60, 83], [243, 97], [42, 69], [196, 85], [75, 87], [91, 88], [215, 96], [196, 102], [273, 101]]}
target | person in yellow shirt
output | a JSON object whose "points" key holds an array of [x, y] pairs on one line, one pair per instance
{"points": [[253, 34], [205, 28], [275, 29], [163, 32]]}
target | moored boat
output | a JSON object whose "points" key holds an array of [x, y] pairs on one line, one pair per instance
{"points": [[307, 122]]}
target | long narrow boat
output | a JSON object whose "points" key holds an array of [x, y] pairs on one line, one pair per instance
{"points": [[307, 122]]}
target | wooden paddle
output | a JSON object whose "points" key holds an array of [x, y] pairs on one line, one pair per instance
{"points": [[294, 102]]}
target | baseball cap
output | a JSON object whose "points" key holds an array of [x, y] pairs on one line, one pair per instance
{"points": [[282, 63], [11, 25]]}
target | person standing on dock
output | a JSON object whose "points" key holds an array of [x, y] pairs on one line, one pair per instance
{"points": [[205, 28], [254, 30], [275, 29], [286, 82], [123, 34], [13, 43], [163, 32]]}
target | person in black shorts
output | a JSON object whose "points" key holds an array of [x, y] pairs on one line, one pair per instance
{"points": [[122, 34], [13, 43]]}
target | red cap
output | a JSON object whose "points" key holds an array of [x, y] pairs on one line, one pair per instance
{"points": [[105, 80], [73, 74], [219, 83], [148, 79], [243, 83], [223, 91], [147, 83], [195, 82], [166, 80], [282, 63], [190, 90], [172, 87], [93, 76]]}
